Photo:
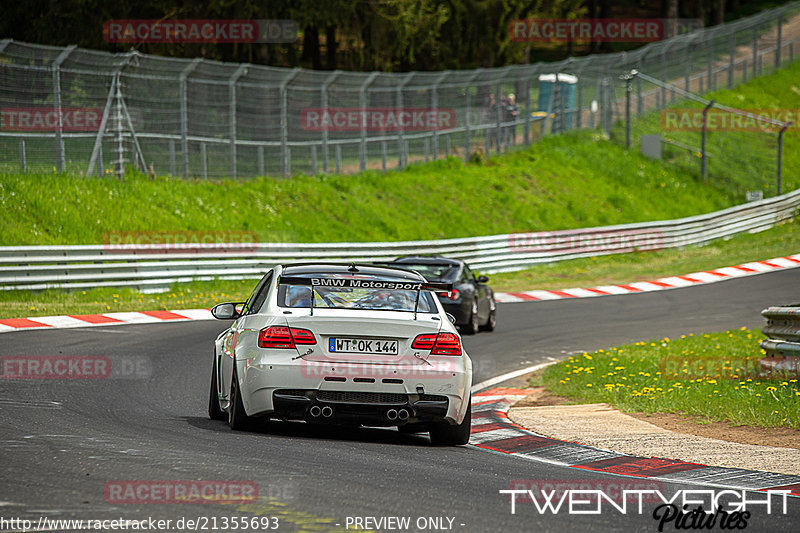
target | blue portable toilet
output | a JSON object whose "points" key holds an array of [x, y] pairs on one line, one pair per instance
{"points": [[566, 90]]}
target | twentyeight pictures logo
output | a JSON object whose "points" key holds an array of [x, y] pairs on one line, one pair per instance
{"points": [[200, 31]]}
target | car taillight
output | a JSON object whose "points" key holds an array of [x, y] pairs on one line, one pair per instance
{"points": [[441, 344], [284, 337], [454, 295], [424, 342]]}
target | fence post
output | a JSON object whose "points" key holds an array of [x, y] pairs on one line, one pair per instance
{"points": [[732, 58], [203, 161], [22, 161], [780, 155], [628, 78], [285, 164], [338, 158], [313, 159], [362, 102], [60, 154], [688, 67], [755, 51], [400, 143], [704, 160], [710, 69], [434, 109], [383, 155], [467, 125], [260, 157], [185, 113], [778, 43], [232, 91], [172, 158], [324, 102]]}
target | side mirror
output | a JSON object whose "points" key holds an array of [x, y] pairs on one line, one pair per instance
{"points": [[226, 311], [451, 318], [483, 279]]}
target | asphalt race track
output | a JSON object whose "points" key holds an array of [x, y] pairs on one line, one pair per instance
{"points": [[62, 441]]}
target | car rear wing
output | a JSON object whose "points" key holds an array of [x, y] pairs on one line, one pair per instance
{"points": [[364, 282]]}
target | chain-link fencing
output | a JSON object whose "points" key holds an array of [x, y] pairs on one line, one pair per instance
{"points": [[95, 113]]}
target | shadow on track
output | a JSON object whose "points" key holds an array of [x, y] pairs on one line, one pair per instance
{"points": [[307, 431]]}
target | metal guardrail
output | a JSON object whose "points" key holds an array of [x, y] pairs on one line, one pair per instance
{"points": [[157, 266], [783, 346]]}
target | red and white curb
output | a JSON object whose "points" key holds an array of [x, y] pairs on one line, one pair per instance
{"points": [[492, 430], [672, 282], [108, 319]]}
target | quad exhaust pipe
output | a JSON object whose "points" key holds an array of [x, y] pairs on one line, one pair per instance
{"points": [[327, 411], [315, 411]]}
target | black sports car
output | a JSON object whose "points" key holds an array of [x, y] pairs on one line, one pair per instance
{"points": [[471, 302]]}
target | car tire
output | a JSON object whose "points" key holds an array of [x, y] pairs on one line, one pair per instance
{"points": [[443, 434], [491, 322], [472, 326], [237, 416], [214, 411]]}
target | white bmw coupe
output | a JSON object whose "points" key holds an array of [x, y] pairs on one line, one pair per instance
{"points": [[343, 344]]}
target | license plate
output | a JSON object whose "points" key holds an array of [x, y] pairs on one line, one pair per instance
{"points": [[370, 346]]}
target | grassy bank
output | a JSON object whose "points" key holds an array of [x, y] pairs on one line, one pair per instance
{"points": [[713, 376], [578, 179]]}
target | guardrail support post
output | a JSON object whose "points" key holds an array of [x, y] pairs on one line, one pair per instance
{"points": [[704, 157], [755, 51], [313, 159]]}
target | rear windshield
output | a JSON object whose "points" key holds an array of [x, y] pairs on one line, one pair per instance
{"points": [[355, 298], [432, 272]]}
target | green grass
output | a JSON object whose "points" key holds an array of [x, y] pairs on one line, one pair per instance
{"points": [[714, 376], [578, 179], [568, 181], [646, 266]]}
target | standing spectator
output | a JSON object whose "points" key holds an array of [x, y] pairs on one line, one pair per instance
{"points": [[510, 114]]}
